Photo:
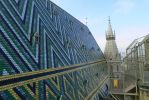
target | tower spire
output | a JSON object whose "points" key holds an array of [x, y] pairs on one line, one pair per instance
{"points": [[111, 53], [109, 20], [111, 49], [109, 33]]}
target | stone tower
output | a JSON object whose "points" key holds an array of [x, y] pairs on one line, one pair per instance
{"points": [[111, 51]]}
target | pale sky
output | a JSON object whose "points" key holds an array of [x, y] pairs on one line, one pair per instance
{"points": [[130, 18]]}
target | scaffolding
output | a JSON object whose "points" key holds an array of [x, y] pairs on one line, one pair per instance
{"points": [[137, 65], [133, 82], [137, 59]]}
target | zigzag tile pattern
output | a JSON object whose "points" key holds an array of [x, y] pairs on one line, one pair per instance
{"points": [[36, 35]]}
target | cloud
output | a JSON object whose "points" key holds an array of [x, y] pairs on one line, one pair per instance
{"points": [[124, 6]]}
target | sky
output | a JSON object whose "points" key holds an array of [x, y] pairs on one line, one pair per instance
{"points": [[129, 18]]}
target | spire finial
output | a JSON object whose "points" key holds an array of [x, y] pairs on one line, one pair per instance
{"points": [[110, 31], [109, 20]]}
